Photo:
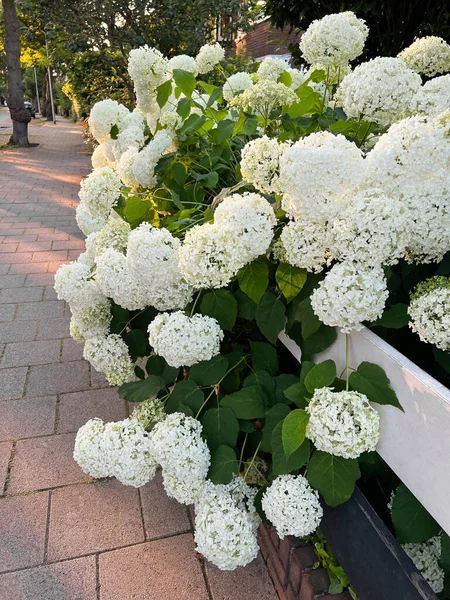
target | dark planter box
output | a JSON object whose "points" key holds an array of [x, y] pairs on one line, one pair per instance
{"points": [[373, 560]]}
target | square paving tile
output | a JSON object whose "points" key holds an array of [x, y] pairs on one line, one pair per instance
{"points": [[52, 329], [23, 522], [244, 583], [93, 517], [12, 382], [5, 454], [21, 294], [40, 310], [58, 378], [162, 515], [168, 567], [18, 331], [31, 353], [77, 408], [27, 418], [7, 312], [46, 462], [71, 350], [69, 580]]}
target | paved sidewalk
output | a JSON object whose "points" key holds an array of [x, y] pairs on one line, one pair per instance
{"points": [[64, 536]]}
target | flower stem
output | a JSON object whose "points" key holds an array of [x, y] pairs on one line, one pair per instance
{"points": [[195, 302], [242, 451], [252, 461], [347, 368]]}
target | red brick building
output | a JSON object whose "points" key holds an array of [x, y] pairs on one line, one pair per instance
{"points": [[266, 40]]}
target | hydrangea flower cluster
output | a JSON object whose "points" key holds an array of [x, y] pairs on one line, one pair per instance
{"points": [[426, 557], [334, 40], [260, 163], [110, 356], [428, 56], [433, 97], [112, 235], [264, 96], [292, 506], [104, 115], [270, 68], [239, 82], [147, 68], [178, 447], [349, 295], [91, 321], [148, 413], [100, 191], [381, 90], [183, 340], [429, 311], [89, 452], [342, 423], [208, 57], [305, 244], [74, 284], [144, 164], [183, 62], [225, 524]]}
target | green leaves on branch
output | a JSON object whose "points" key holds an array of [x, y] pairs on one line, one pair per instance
{"points": [[265, 357], [290, 280], [209, 372], [156, 365], [163, 93], [223, 465], [254, 279], [282, 465], [185, 82], [371, 380], [222, 306], [138, 391], [294, 431], [185, 393], [248, 403], [334, 477], [274, 415], [271, 316], [220, 426], [394, 317], [411, 520], [321, 375]]}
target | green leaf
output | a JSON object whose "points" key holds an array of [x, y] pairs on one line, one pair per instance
{"points": [[114, 132], [282, 465], [442, 358], [248, 403], [395, 317], [254, 279], [371, 380], [185, 392], [225, 130], [223, 465], [320, 340], [215, 96], [156, 365], [220, 426], [271, 316], [274, 415], [185, 81], [265, 357], [137, 210], [297, 394], [192, 123], [265, 381], [138, 391], [179, 173], [285, 78], [163, 92], [412, 522], [222, 306], [310, 101], [290, 280], [209, 372], [334, 477], [120, 318], [209, 180], [246, 307], [139, 372], [137, 343], [184, 108], [283, 382], [321, 375], [294, 431], [310, 322]]}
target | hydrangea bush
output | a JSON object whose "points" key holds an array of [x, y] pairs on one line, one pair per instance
{"points": [[219, 217]]}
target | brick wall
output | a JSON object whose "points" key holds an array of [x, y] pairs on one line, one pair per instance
{"points": [[266, 39], [290, 564]]}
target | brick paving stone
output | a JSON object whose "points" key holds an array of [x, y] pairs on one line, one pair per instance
{"points": [[23, 522], [5, 454], [93, 517], [27, 418], [45, 462], [77, 408], [71, 350], [244, 583], [51, 255], [68, 580], [51, 329], [40, 310], [7, 312], [162, 515], [11, 281], [34, 279], [98, 380], [30, 268], [18, 331], [31, 353], [12, 382], [21, 294], [168, 567], [58, 378]]}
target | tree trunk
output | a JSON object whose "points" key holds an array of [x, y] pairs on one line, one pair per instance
{"points": [[19, 114]]}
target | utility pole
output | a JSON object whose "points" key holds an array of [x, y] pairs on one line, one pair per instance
{"points": [[37, 92], [50, 80]]}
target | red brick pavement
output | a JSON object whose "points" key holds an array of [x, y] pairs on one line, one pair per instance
{"points": [[64, 536]]}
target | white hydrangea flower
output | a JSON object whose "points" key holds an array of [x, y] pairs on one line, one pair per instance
{"points": [[184, 63], [226, 523], [145, 163], [334, 74], [128, 453], [104, 115], [183, 454], [433, 97], [100, 191], [316, 171], [148, 413], [264, 96], [292, 506], [335, 39], [125, 165], [113, 235], [342, 423], [208, 57], [381, 90], [99, 158], [426, 556], [87, 222], [428, 56], [430, 312], [171, 121], [270, 68], [91, 321], [236, 83], [131, 137], [442, 122], [89, 451], [372, 229], [152, 257], [147, 68], [350, 294], [132, 119], [109, 355], [260, 163], [74, 284], [305, 244], [184, 341], [298, 77], [117, 282]]}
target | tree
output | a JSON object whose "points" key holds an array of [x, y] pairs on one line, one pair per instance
{"points": [[19, 114], [393, 24]]}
